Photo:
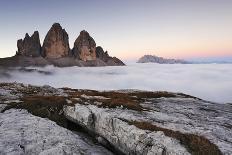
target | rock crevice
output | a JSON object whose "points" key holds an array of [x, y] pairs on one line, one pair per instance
{"points": [[127, 138]]}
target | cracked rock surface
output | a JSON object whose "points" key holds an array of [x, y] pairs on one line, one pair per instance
{"points": [[126, 121], [126, 138], [23, 133], [162, 126]]}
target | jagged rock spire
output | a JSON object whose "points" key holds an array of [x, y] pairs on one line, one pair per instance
{"points": [[85, 47], [29, 46], [56, 43]]}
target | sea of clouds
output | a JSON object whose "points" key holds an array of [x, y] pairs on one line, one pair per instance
{"points": [[212, 82]]}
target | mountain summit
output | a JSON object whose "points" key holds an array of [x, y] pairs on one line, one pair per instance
{"points": [[56, 43], [160, 60], [55, 50]]}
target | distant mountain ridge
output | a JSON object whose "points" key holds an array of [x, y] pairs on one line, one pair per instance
{"points": [[160, 60]]}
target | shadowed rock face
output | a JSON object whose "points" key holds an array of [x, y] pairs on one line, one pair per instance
{"points": [[29, 46], [101, 54], [104, 56], [56, 43], [85, 47]]}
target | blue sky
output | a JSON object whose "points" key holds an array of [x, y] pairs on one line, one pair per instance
{"points": [[128, 29]]}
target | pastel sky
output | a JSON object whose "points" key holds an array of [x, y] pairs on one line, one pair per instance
{"points": [[128, 29]]}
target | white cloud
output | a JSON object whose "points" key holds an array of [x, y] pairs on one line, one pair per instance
{"points": [[208, 81]]}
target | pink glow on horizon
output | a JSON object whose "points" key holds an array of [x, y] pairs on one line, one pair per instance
{"points": [[177, 55]]}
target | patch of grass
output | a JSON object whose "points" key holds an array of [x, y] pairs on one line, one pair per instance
{"points": [[122, 102], [195, 144], [157, 94], [114, 100], [50, 107], [188, 96], [118, 99]]}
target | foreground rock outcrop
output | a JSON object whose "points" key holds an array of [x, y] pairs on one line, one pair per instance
{"points": [[56, 51], [23, 133], [153, 123], [128, 121]]}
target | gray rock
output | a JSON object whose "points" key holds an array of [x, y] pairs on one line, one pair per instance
{"points": [[131, 121], [23, 133], [29, 46], [125, 137], [2, 107], [186, 116]]}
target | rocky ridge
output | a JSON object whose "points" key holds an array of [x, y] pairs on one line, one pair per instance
{"points": [[56, 51], [160, 60], [128, 121]]}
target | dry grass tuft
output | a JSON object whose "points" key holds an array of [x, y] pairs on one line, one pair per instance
{"points": [[50, 107], [115, 99], [157, 94], [196, 145]]}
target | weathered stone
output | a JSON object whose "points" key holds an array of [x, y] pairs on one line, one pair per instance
{"points": [[101, 54], [178, 124], [104, 56], [29, 46], [56, 43], [113, 61], [85, 47], [133, 122], [126, 138], [23, 133], [160, 60]]}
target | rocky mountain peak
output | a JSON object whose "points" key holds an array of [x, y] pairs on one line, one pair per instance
{"points": [[56, 42], [27, 36], [29, 46], [56, 26], [84, 32], [85, 47], [160, 60], [56, 51]]}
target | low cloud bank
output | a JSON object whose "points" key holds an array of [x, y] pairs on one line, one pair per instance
{"points": [[208, 81]]}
